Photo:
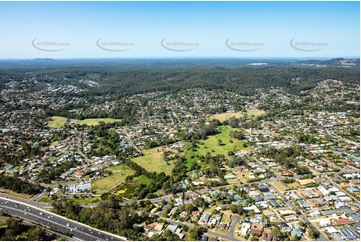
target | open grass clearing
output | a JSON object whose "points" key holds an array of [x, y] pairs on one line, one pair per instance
{"points": [[255, 112], [226, 217], [224, 116], [3, 223], [57, 122], [45, 199], [227, 115], [84, 200], [294, 185], [280, 186], [220, 231], [119, 175], [211, 145], [55, 143], [152, 160], [143, 179], [210, 210], [284, 187], [96, 121], [15, 194], [116, 168]]}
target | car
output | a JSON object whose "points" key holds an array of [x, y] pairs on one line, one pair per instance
{"points": [[67, 224], [203, 230], [41, 213]]}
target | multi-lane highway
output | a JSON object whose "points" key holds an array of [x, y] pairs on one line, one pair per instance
{"points": [[34, 212], [53, 221]]}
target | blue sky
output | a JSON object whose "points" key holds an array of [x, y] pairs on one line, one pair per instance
{"points": [[188, 29]]}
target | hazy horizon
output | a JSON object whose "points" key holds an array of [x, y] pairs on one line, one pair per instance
{"points": [[184, 58]]}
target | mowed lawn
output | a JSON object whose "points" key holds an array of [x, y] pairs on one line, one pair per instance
{"points": [[120, 173], [152, 161], [143, 179], [96, 121], [57, 122], [211, 145]]}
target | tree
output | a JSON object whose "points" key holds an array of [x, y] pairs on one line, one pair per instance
{"points": [[276, 232], [237, 135], [236, 209], [189, 208], [294, 237], [312, 233], [36, 234], [233, 208], [194, 234]]}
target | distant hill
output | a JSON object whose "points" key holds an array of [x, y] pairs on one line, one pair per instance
{"points": [[221, 63], [336, 62]]}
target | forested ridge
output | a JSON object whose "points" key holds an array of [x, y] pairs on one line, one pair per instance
{"points": [[126, 80]]}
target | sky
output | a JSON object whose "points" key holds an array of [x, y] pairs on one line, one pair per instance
{"points": [[179, 29]]}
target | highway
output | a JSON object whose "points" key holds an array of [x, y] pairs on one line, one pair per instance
{"points": [[55, 222], [33, 211]]}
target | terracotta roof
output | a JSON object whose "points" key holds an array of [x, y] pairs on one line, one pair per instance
{"points": [[341, 221]]}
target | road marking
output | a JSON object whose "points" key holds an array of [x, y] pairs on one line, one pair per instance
{"points": [[45, 219], [85, 225]]}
